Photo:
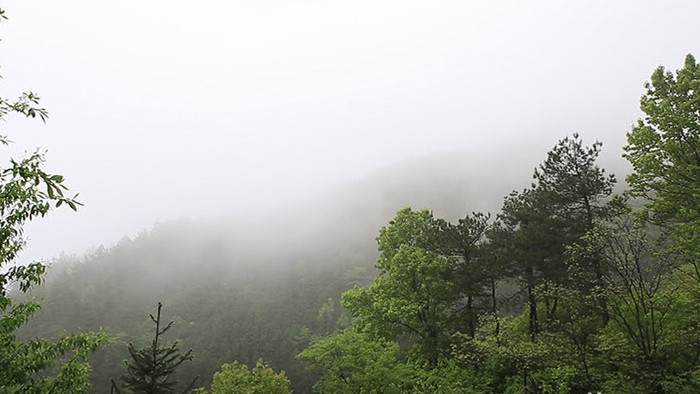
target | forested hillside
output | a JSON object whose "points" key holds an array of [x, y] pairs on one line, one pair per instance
{"points": [[548, 270], [575, 284], [252, 285]]}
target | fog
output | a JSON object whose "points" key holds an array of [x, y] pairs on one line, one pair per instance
{"points": [[161, 110]]}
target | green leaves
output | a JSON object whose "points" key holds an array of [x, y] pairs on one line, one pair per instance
{"points": [[26, 105], [22, 363], [237, 378], [355, 362], [27, 191], [413, 298], [664, 147], [409, 227]]}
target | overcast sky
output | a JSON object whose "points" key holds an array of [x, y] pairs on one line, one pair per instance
{"points": [[161, 109]]}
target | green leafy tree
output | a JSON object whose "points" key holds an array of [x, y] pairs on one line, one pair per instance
{"points": [[151, 367], [27, 192], [413, 298], [664, 150], [446, 377], [640, 294], [355, 362], [235, 378], [513, 363]]}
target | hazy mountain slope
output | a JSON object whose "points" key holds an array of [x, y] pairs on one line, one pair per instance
{"points": [[249, 285]]}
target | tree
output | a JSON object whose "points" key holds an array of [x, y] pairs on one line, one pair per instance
{"points": [[639, 290], [664, 150], [413, 298], [576, 188], [238, 379], [151, 367], [568, 195], [355, 362], [530, 245], [498, 255], [27, 192], [464, 241]]}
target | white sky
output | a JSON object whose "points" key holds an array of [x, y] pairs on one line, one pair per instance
{"points": [[160, 109]]}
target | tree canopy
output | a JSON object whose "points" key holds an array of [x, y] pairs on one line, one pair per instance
{"points": [[664, 150]]}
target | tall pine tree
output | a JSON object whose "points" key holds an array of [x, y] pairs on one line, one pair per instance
{"points": [[151, 367], [560, 207]]}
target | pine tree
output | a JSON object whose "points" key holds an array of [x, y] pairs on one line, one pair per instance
{"points": [[569, 194], [151, 367]]}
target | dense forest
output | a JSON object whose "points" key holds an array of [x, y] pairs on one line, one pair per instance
{"points": [[402, 283]]}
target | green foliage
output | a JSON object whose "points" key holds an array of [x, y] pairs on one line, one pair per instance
{"points": [[573, 181], [354, 362], [408, 227], [23, 365], [475, 270], [515, 363], [655, 345], [554, 214], [151, 367], [412, 299], [664, 150], [556, 380], [446, 377], [27, 192], [235, 378], [599, 302]]}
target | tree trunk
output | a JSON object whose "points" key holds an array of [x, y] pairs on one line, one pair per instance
{"points": [[470, 316], [533, 327], [494, 309]]}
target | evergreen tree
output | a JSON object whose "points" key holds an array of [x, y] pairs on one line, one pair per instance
{"points": [[560, 207], [536, 247], [464, 241], [576, 189], [151, 367]]}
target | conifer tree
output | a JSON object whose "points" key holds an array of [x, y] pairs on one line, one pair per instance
{"points": [[464, 241], [567, 197], [151, 367]]}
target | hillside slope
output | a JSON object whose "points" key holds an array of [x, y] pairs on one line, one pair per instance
{"points": [[248, 285]]}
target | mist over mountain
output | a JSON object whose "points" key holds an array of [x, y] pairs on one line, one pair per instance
{"points": [[249, 284], [249, 165]]}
